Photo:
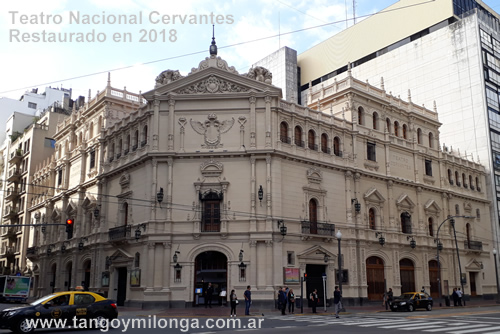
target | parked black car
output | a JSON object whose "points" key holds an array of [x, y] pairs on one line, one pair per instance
{"points": [[410, 301], [69, 308]]}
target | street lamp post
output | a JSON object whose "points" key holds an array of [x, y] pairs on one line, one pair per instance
{"points": [[496, 275], [339, 238], [452, 222], [440, 247]]}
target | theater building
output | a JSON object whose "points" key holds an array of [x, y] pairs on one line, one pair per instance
{"points": [[217, 179]]}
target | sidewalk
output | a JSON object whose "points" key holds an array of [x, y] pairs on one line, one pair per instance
{"points": [[221, 311]]}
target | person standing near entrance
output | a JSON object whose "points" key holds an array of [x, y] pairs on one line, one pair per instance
{"points": [[314, 300], [337, 300], [208, 295], [291, 301], [248, 300], [460, 295], [234, 301], [282, 299]]}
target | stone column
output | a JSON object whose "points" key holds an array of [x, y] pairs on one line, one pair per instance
{"points": [[151, 266], [268, 194], [253, 120], [170, 189], [270, 265], [167, 252], [171, 118], [253, 199], [348, 196], [253, 263], [268, 99], [155, 127], [154, 188]]}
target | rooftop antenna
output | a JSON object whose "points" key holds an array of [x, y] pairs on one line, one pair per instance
{"points": [[213, 46], [346, 18], [279, 31], [354, 11]]}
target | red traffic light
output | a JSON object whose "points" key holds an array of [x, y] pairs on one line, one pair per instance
{"points": [[69, 221]]}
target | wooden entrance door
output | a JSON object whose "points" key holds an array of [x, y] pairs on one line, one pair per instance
{"points": [[375, 278], [433, 278], [407, 275], [472, 278]]}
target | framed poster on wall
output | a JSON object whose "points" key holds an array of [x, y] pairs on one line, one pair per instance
{"points": [[291, 275], [105, 279], [135, 277]]}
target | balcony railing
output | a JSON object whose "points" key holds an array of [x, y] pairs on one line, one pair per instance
{"points": [[16, 156], [317, 228], [473, 245], [119, 233], [14, 175], [31, 251]]}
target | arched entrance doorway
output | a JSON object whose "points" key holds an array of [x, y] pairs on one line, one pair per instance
{"points": [[407, 275], [375, 278], [210, 267], [433, 278]]}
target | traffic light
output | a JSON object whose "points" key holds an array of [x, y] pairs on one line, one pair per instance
{"points": [[305, 277], [69, 226]]}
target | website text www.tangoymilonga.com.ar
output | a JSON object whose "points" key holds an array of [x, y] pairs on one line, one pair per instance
{"points": [[150, 322]]}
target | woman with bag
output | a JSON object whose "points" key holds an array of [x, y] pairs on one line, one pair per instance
{"points": [[291, 301], [234, 301]]}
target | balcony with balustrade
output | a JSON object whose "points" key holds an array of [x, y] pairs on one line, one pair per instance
{"points": [[119, 233]]}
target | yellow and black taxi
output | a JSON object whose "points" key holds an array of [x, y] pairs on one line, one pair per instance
{"points": [[410, 301], [69, 308]]}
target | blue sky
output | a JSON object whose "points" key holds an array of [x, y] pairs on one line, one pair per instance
{"points": [[29, 64]]}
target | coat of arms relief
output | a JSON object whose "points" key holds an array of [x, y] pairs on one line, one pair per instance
{"points": [[212, 129]]}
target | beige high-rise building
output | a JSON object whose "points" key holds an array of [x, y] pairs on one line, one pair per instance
{"points": [[218, 180]]}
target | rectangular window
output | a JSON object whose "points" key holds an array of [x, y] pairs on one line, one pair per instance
{"points": [[211, 216], [92, 159], [290, 258], [370, 150], [49, 142], [428, 167], [59, 177], [31, 105]]}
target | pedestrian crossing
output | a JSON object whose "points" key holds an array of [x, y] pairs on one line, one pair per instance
{"points": [[433, 325]]}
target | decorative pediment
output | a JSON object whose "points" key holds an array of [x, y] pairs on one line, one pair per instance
{"points": [[211, 168], [314, 176], [89, 201], [212, 85], [213, 61], [374, 196], [56, 214], [405, 202], [261, 74], [71, 208], [316, 252], [124, 180], [474, 265], [121, 256], [431, 208]]}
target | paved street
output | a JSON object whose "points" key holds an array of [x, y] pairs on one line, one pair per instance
{"points": [[483, 320]]}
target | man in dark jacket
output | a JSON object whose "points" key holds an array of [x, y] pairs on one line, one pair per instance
{"points": [[208, 296], [282, 299], [337, 300]]}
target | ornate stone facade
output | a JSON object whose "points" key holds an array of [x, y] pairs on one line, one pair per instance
{"points": [[260, 204]]}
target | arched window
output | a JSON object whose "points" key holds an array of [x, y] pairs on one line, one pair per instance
{"points": [[91, 130], [457, 179], [478, 213], [360, 115], [457, 209], [336, 146], [311, 140], [431, 227], [119, 149], [388, 124], [396, 129], [450, 176], [111, 152], [375, 120], [471, 182], [419, 136], [127, 144], [404, 131], [477, 184], [406, 223], [324, 143], [284, 133], [144, 140], [125, 213], [431, 139], [371, 218], [298, 136], [464, 180], [313, 216]]}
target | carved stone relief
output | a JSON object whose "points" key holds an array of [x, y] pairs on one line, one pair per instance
{"points": [[211, 130]]}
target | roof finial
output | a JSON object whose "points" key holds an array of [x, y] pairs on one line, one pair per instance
{"points": [[213, 47]]}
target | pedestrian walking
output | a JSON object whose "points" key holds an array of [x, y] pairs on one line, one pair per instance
{"points": [[234, 301], [248, 300], [388, 297], [460, 295], [282, 300], [208, 295], [337, 301], [454, 296], [291, 301], [314, 300]]}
